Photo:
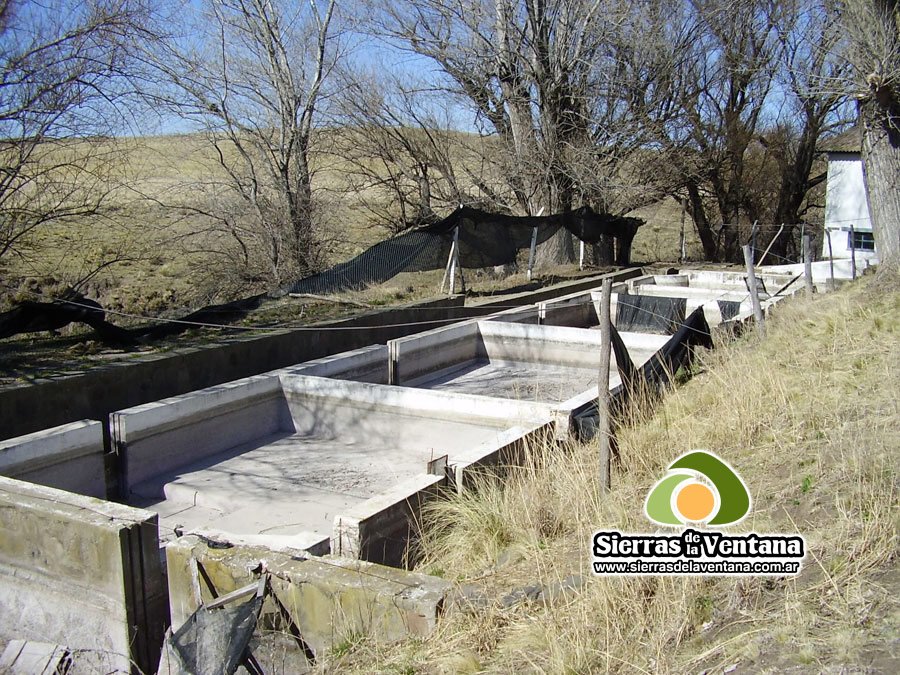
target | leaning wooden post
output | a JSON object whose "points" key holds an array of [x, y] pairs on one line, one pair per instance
{"points": [[807, 266], [449, 264], [830, 258], [852, 251], [531, 252], [769, 247], [454, 258], [754, 291], [603, 416], [459, 267]]}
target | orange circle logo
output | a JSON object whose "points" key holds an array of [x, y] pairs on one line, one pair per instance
{"points": [[695, 502]]}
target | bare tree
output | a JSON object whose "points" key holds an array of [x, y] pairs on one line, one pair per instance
{"points": [[63, 73], [808, 106], [873, 48], [400, 151], [251, 73], [524, 68]]}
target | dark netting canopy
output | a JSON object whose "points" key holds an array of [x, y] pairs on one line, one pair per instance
{"points": [[485, 240]]}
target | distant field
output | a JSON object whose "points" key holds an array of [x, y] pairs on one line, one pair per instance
{"points": [[161, 245]]}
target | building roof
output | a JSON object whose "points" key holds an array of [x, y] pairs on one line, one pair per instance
{"points": [[846, 141]]}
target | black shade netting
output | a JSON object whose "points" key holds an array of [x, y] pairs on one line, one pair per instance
{"points": [[485, 240], [676, 353], [649, 313], [211, 642], [729, 309]]}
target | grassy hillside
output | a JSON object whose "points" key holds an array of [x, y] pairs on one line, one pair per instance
{"points": [[161, 248], [810, 417]]}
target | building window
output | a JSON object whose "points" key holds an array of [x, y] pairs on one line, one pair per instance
{"points": [[861, 241]]}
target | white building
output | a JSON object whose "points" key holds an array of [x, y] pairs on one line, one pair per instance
{"points": [[847, 220]]}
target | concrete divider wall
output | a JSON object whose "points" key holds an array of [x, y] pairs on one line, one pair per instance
{"points": [[310, 392], [82, 573], [68, 457], [433, 351], [159, 437], [553, 345], [384, 529], [99, 392], [369, 364], [571, 310], [330, 600]]}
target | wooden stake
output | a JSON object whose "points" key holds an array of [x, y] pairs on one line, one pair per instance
{"points": [[830, 257], [531, 252], [852, 251], [449, 263], [454, 258], [807, 266], [766, 252], [754, 291], [603, 417], [682, 246]]}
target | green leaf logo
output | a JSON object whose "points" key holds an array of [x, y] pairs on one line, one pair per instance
{"points": [[698, 487]]}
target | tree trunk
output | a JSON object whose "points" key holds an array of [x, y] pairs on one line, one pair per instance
{"points": [[557, 250], [880, 115], [704, 229]]}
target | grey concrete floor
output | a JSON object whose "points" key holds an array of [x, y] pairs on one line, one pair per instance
{"points": [[534, 381], [293, 484]]}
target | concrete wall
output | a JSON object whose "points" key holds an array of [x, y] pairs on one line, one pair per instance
{"points": [[369, 364], [158, 438], [433, 351], [547, 345], [68, 457], [384, 529], [416, 402], [97, 393], [330, 600], [83, 573]]}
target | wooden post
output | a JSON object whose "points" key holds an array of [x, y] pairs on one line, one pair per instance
{"points": [[768, 248], [603, 417], [682, 247], [459, 268], [754, 291], [534, 233], [454, 257], [450, 259], [807, 266], [581, 254], [830, 257], [852, 251]]}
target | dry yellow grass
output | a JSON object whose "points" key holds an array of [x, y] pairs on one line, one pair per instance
{"points": [[809, 417]]}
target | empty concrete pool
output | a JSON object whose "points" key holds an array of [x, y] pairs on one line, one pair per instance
{"points": [[285, 459]]}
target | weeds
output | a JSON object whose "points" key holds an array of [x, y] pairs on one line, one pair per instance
{"points": [[814, 406]]}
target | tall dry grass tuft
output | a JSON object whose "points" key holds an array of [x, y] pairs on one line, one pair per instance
{"points": [[810, 418]]}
